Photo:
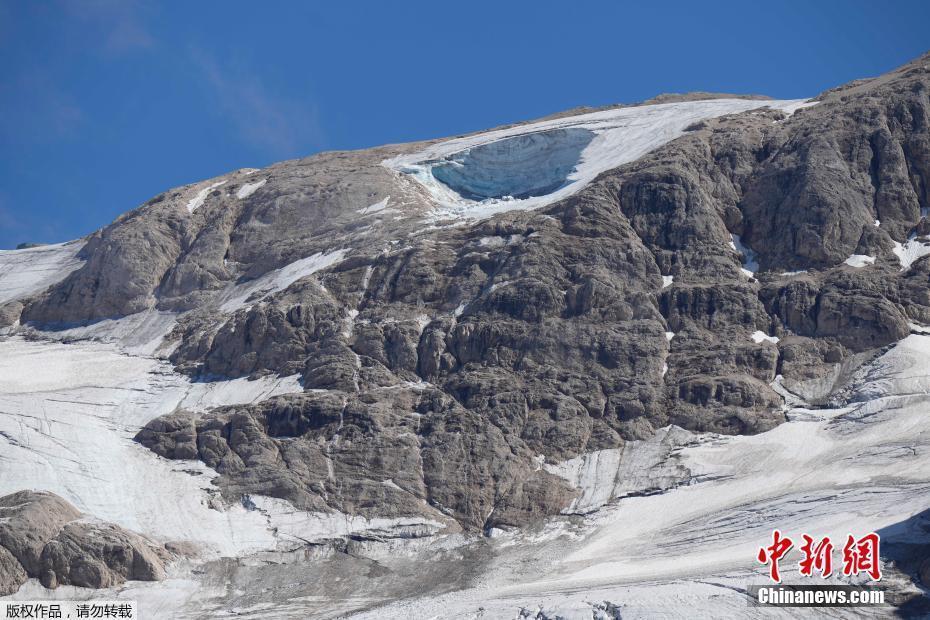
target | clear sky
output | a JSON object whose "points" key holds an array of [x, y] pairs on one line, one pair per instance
{"points": [[106, 103]]}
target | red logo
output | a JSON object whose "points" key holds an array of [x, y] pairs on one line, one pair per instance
{"points": [[817, 557], [859, 556], [773, 553]]}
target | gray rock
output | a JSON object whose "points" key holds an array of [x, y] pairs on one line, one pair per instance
{"points": [[12, 573], [43, 536], [28, 521], [99, 555], [10, 313]]}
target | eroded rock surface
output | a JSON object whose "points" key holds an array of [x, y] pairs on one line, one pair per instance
{"points": [[45, 537]]}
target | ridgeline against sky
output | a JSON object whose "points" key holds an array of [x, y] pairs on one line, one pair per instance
{"points": [[104, 103]]}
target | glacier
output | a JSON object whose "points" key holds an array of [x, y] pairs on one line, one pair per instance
{"points": [[477, 176], [32, 270]]}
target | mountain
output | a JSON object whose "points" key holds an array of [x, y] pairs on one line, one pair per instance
{"points": [[575, 367]]}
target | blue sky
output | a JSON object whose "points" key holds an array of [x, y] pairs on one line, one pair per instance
{"points": [[106, 103]]}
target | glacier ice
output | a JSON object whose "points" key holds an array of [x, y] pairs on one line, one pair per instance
{"points": [[459, 179], [526, 165], [30, 271]]}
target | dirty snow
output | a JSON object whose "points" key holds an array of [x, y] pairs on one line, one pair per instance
{"points": [[248, 189], [68, 414], [381, 205], [241, 295], [142, 333]]}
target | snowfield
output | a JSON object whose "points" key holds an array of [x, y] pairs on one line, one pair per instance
{"points": [[26, 272], [860, 260], [665, 527], [532, 165], [68, 413]]}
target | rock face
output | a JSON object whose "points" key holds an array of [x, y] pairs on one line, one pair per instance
{"points": [[445, 356], [43, 536]]}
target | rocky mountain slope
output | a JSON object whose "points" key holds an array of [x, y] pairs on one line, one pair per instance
{"points": [[43, 536], [443, 339]]}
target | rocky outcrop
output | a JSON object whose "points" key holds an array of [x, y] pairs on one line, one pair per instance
{"points": [[399, 453], [45, 537], [10, 312]]}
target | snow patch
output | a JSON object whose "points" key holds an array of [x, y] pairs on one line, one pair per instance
{"points": [[798, 104], [249, 188], [498, 285], [605, 475], [422, 321], [375, 208], [202, 396], [197, 201], [239, 296], [910, 251], [299, 526], [667, 281], [859, 260], [760, 336], [750, 263], [142, 333]]}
